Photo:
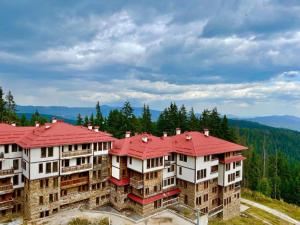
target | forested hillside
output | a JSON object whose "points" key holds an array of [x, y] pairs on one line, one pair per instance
{"points": [[273, 160]]}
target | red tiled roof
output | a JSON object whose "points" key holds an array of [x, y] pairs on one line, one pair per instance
{"points": [[137, 148], [52, 134], [233, 159], [200, 145], [145, 201], [122, 182], [196, 145], [10, 134]]}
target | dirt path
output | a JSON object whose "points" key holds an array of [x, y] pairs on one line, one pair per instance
{"points": [[274, 212]]}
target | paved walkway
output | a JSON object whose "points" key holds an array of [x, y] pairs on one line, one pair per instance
{"points": [[272, 211], [163, 218]]}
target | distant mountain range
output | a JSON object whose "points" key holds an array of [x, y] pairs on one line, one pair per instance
{"points": [[69, 114]]}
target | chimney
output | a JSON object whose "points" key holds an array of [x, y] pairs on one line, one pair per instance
{"points": [[165, 134], [206, 132], [47, 126], [188, 137], [90, 127], [13, 124], [37, 124], [127, 134], [145, 139], [178, 131], [96, 128], [54, 120]]}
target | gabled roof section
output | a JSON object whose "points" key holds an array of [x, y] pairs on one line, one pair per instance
{"points": [[51, 134], [141, 146], [189, 143], [197, 144], [10, 134]]}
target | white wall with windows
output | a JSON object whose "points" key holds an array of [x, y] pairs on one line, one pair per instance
{"points": [[230, 173], [44, 169], [135, 164], [208, 164], [44, 154], [153, 164]]}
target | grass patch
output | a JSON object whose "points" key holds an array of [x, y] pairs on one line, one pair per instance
{"points": [[84, 221], [289, 209], [266, 216], [244, 219]]}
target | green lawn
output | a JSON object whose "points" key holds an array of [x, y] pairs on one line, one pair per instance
{"points": [[289, 209]]}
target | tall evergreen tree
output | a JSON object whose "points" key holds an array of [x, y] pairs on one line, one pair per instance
{"points": [[114, 119], [99, 120], [79, 120], [129, 119], [193, 122], [182, 119], [146, 123], [86, 121], [2, 106], [10, 108], [92, 120]]}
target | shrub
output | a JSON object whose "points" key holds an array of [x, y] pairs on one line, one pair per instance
{"points": [[79, 221]]}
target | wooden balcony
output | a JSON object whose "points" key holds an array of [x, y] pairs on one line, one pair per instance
{"points": [[6, 188], [8, 172], [77, 168], [136, 182], [6, 204], [103, 165], [215, 210], [170, 202], [167, 163], [76, 153], [74, 182]]}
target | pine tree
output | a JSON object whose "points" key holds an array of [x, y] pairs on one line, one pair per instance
{"points": [[79, 120], [182, 119], [146, 123], [128, 119], [225, 130], [2, 106], [86, 121], [92, 120], [10, 108], [114, 119], [193, 122], [23, 120], [99, 120]]}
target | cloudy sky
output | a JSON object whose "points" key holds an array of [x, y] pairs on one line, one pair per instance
{"points": [[241, 56]]}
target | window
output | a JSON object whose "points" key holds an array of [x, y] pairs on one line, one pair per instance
{"points": [[41, 214], [41, 183], [180, 170], [47, 183], [183, 158], [14, 148], [70, 148], [48, 167], [206, 158], [238, 174], [55, 167], [104, 145], [238, 163], [24, 164], [41, 168], [50, 198], [118, 159], [41, 200], [16, 180], [50, 152], [55, 182], [6, 149], [205, 198], [201, 174], [198, 200], [205, 184], [0, 165], [43, 153], [130, 160], [16, 164], [214, 189], [227, 166]]}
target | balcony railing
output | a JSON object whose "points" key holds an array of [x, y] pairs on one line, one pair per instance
{"points": [[167, 163], [7, 172], [6, 187], [77, 181], [215, 210], [170, 202], [102, 165], [76, 168], [136, 183], [6, 203], [77, 153]]}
